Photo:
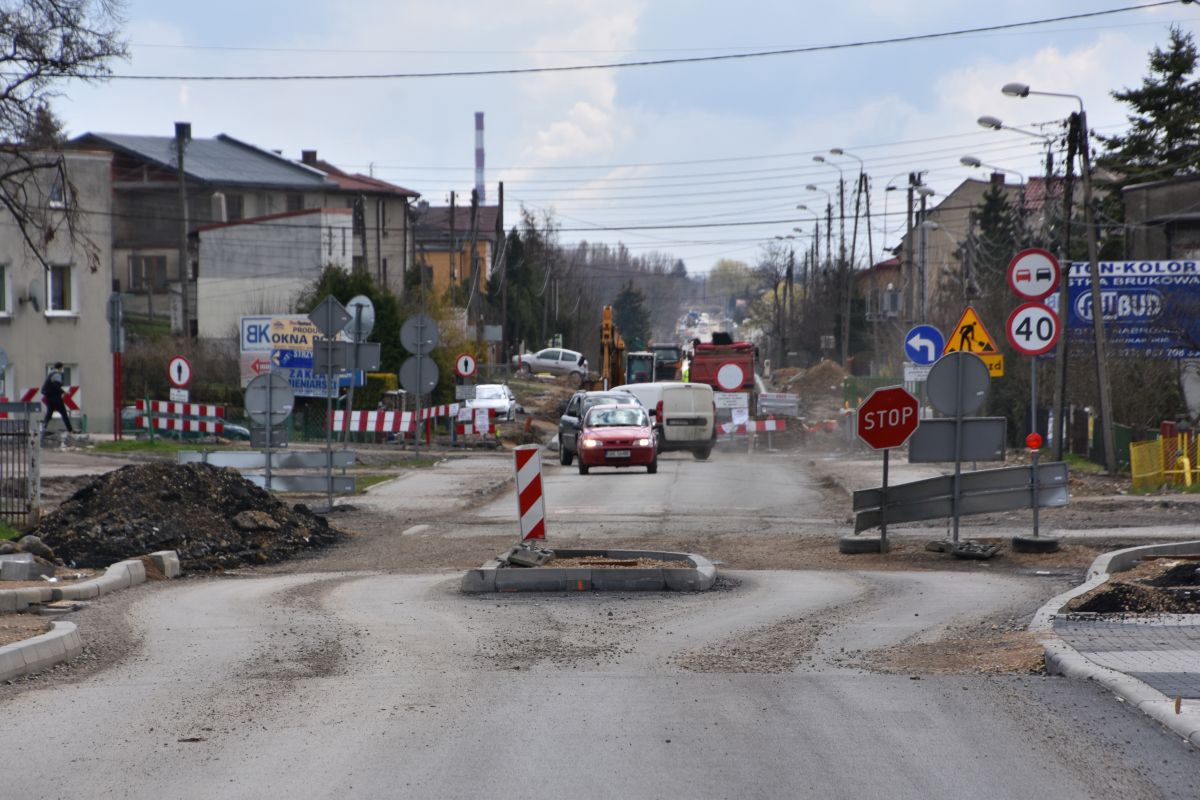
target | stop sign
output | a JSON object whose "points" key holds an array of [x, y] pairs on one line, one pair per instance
{"points": [[887, 418]]}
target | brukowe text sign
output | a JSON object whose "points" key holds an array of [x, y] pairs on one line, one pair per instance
{"points": [[1150, 308]]}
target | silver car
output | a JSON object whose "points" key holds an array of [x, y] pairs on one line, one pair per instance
{"points": [[495, 396], [554, 360]]}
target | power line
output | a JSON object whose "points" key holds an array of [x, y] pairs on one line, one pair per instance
{"points": [[921, 37]]}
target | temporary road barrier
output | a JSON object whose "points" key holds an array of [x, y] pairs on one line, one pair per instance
{"points": [[755, 426], [388, 421], [531, 507], [32, 395], [166, 416]]}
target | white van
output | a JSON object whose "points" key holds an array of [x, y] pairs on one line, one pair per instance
{"points": [[683, 414]]}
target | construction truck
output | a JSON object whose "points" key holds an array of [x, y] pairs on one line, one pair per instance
{"points": [[668, 359], [612, 355], [725, 365]]}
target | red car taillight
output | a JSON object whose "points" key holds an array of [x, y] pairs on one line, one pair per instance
{"points": [[658, 412]]}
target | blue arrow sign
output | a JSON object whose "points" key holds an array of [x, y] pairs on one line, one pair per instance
{"points": [[924, 344]]}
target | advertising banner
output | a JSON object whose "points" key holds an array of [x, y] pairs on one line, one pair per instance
{"points": [[1151, 308]]}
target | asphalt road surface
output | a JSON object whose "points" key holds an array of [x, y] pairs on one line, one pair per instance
{"points": [[368, 683]]}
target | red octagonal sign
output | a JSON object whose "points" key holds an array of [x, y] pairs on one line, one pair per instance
{"points": [[888, 417]]}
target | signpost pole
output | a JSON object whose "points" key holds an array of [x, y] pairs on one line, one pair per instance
{"points": [[329, 330], [270, 422], [1034, 427], [358, 309], [883, 543], [958, 426]]}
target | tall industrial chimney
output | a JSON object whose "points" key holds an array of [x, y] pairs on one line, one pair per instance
{"points": [[479, 156]]}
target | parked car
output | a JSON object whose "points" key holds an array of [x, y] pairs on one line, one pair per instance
{"points": [[129, 425], [684, 414], [617, 436], [571, 419], [496, 396], [554, 360]]}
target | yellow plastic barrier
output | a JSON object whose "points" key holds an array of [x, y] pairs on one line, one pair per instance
{"points": [[1146, 464]]}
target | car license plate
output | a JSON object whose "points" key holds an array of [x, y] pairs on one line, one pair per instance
{"points": [[618, 454], [686, 421]]}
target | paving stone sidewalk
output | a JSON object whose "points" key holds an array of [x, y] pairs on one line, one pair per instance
{"points": [[1162, 651]]}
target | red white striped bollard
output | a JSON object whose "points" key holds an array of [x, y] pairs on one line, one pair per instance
{"points": [[530, 506]]}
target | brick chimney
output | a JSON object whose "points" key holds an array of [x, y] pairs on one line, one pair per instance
{"points": [[308, 157], [997, 178]]}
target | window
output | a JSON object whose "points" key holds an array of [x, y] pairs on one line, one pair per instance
{"points": [[295, 202], [234, 207], [5, 293], [58, 194], [147, 273], [60, 294]]}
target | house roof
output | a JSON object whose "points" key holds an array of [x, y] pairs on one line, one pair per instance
{"points": [[222, 160], [436, 221], [354, 182]]}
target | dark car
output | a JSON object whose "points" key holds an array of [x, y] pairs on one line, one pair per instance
{"points": [[617, 436], [571, 419]]}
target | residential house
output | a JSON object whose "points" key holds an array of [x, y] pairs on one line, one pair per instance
{"points": [[1162, 219], [260, 265], [444, 237], [383, 237], [228, 181], [59, 312]]}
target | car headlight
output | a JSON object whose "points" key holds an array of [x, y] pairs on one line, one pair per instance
{"points": [[642, 442], [591, 442]]}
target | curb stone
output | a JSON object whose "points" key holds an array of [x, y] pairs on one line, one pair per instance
{"points": [[1062, 659], [62, 642]]}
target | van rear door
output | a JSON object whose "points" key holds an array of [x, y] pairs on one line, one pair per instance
{"points": [[687, 413]]}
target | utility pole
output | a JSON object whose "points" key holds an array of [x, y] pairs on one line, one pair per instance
{"points": [[910, 283], [849, 277], [183, 133], [1060, 432], [1089, 215]]}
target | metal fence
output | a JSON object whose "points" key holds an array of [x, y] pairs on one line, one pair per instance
{"points": [[20, 452], [1166, 461]]}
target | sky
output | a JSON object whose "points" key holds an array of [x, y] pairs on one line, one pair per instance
{"points": [[698, 161]]}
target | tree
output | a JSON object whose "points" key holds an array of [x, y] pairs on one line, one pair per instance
{"points": [[42, 43], [631, 318], [344, 286], [1163, 139]]}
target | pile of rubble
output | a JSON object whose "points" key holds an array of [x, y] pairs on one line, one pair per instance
{"points": [[214, 518]]}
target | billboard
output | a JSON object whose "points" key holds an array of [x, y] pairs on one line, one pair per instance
{"points": [[284, 343], [1151, 308]]}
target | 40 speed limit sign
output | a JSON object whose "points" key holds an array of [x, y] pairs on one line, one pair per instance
{"points": [[1033, 328]]}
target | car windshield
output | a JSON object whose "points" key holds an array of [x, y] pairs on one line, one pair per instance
{"points": [[489, 393], [605, 417]]}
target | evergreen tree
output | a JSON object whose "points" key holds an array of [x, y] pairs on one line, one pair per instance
{"points": [[1163, 139], [631, 317]]}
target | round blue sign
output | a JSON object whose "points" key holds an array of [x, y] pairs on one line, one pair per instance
{"points": [[923, 345]]}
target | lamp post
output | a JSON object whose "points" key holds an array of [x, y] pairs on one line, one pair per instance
{"points": [[994, 123], [1104, 390], [972, 161]]}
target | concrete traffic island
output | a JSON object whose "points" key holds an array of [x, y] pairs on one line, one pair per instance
{"points": [[522, 569]]}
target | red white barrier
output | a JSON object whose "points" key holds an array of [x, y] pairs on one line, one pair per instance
{"points": [[166, 416], [530, 505], [388, 421], [756, 426]]}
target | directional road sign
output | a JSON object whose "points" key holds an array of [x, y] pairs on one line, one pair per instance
{"points": [[888, 417], [1033, 329], [924, 345], [1033, 273], [179, 370]]}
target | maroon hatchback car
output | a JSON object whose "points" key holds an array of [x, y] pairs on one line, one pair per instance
{"points": [[617, 436]]}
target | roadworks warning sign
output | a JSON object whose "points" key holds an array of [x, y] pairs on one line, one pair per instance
{"points": [[970, 336]]}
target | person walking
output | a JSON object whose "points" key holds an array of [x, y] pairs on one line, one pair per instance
{"points": [[52, 396]]}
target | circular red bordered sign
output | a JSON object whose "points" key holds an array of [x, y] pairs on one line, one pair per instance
{"points": [[1033, 273], [1033, 328], [730, 377]]}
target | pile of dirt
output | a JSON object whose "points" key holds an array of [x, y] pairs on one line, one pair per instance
{"points": [[1158, 587], [820, 390], [214, 518], [542, 399]]}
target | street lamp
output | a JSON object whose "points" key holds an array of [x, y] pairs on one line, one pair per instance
{"points": [[841, 205], [864, 188], [1105, 391], [994, 124], [972, 161]]}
